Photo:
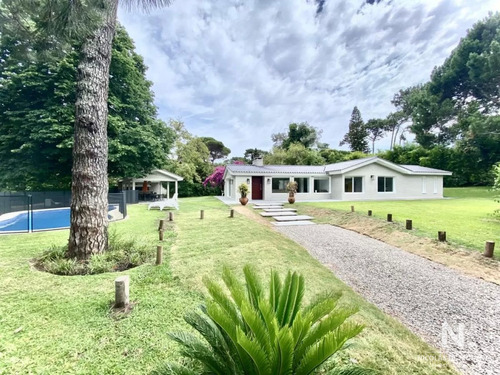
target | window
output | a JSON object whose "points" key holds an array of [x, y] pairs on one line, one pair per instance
{"points": [[353, 184], [321, 185], [279, 185], [385, 184], [435, 185], [302, 184]]}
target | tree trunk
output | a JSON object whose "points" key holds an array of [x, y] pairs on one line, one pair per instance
{"points": [[89, 186]]}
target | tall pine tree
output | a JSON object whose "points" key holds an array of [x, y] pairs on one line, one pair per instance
{"points": [[357, 135]]}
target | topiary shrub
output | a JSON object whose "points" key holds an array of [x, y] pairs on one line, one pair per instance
{"points": [[249, 331]]}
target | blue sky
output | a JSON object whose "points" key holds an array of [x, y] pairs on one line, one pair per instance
{"points": [[240, 70]]}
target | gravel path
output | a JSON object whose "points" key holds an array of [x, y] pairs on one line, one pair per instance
{"points": [[457, 314]]}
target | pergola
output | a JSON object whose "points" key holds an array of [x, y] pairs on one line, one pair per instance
{"points": [[153, 182]]}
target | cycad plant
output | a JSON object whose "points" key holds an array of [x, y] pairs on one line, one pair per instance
{"points": [[249, 331]]}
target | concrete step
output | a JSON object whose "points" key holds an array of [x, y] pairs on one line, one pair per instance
{"points": [[289, 223], [280, 210], [267, 207], [293, 218], [273, 214]]}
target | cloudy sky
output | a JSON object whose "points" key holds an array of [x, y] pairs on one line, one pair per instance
{"points": [[240, 70]]}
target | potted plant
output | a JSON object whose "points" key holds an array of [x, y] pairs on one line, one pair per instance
{"points": [[244, 190], [292, 189]]}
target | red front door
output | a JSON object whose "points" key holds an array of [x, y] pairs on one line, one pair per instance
{"points": [[257, 184]]}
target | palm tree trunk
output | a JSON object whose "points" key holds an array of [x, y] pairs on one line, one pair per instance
{"points": [[89, 189]]}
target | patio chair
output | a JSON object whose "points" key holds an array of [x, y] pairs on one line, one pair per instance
{"points": [[166, 203]]}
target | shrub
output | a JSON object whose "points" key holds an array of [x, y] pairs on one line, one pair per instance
{"points": [[243, 189], [122, 254], [251, 333], [291, 187]]}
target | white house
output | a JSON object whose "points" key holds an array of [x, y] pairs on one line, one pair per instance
{"points": [[361, 179], [153, 183]]}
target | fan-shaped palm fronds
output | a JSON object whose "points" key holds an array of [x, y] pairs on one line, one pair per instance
{"points": [[246, 332]]}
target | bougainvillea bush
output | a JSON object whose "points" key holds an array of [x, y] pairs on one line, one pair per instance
{"points": [[216, 178]]}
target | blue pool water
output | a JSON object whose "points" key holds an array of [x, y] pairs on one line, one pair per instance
{"points": [[42, 220]]}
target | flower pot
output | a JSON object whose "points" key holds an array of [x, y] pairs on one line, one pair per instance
{"points": [[243, 200], [291, 199]]}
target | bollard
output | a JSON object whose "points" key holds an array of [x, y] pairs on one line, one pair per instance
{"points": [[409, 224], [170, 216], [160, 233], [161, 225], [202, 214], [231, 214], [442, 236], [369, 212], [122, 284], [389, 217], [159, 255], [489, 248], [352, 208]]}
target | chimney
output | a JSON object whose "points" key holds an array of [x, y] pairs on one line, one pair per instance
{"points": [[258, 161]]}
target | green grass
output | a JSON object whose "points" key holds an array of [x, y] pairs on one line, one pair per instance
{"points": [[58, 324], [466, 217]]}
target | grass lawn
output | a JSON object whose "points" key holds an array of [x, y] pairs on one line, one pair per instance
{"points": [[57, 324], [466, 216]]}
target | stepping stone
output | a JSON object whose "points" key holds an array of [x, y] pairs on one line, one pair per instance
{"points": [[289, 223], [293, 218], [268, 207], [280, 210], [272, 214]]}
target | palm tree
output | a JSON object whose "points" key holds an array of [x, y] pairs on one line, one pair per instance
{"points": [[92, 23]]}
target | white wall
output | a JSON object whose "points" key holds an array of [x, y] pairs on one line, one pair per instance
{"points": [[405, 186], [337, 188], [267, 190]]}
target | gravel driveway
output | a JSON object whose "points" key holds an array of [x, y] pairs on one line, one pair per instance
{"points": [[457, 314]]}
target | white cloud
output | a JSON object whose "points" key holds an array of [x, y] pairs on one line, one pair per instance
{"points": [[242, 70]]}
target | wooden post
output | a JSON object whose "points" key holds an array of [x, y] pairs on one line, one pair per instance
{"points": [[369, 212], [161, 225], [160, 233], [202, 214], [489, 247], [409, 224], [122, 284], [170, 216], [442, 236], [159, 255], [231, 214], [389, 217], [352, 208]]}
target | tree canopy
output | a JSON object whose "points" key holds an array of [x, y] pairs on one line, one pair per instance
{"points": [[37, 100], [216, 148], [190, 157], [357, 134], [301, 133]]}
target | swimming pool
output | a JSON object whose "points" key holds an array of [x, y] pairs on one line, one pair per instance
{"points": [[38, 220]]}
